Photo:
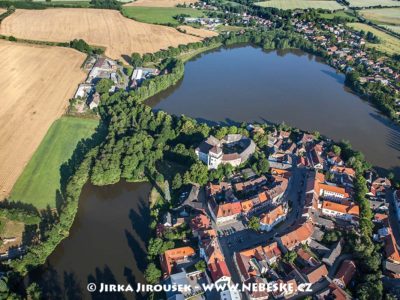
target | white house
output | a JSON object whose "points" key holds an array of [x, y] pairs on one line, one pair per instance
{"points": [[342, 211], [84, 89], [272, 218]]}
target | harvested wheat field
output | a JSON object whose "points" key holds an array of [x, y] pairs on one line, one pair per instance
{"points": [[35, 85], [203, 33], [101, 27], [159, 3]]}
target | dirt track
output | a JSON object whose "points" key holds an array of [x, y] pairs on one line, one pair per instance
{"points": [[159, 3], [35, 85], [108, 28], [203, 33]]}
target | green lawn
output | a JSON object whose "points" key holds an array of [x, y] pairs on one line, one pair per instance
{"points": [[159, 15], [341, 14], [388, 44], [370, 3], [387, 16], [41, 178], [301, 4]]}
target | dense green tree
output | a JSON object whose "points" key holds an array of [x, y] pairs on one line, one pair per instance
{"points": [[200, 266], [290, 257], [177, 181], [152, 274], [136, 60], [34, 292], [104, 85], [254, 223]]}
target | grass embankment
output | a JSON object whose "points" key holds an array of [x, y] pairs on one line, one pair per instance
{"points": [[189, 55], [40, 180], [385, 17], [301, 4], [159, 15], [387, 43]]}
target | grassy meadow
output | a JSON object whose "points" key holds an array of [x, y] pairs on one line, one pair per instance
{"points": [[40, 179], [346, 15], [388, 44], [389, 16], [372, 3], [159, 15], [301, 4]]}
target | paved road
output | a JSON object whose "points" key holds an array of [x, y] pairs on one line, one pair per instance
{"points": [[394, 223], [247, 238]]}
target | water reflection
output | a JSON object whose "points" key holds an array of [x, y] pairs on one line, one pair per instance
{"points": [[238, 84]]}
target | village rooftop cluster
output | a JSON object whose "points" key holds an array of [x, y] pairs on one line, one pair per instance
{"points": [[273, 227]]}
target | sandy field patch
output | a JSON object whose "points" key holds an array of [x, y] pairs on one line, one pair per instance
{"points": [[35, 86], [203, 33], [101, 27], [160, 3], [2, 11], [11, 235]]}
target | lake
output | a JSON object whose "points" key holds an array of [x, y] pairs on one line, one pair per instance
{"points": [[107, 240], [106, 243], [248, 84]]}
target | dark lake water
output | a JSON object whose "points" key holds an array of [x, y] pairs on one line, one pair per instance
{"points": [[107, 240], [248, 84], [106, 243]]}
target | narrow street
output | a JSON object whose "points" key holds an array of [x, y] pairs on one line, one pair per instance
{"points": [[247, 238]]}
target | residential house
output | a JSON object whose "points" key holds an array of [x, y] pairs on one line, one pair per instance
{"points": [[315, 274], [170, 258], [391, 251], [95, 101], [224, 212], [193, 281], [255, 293], [332, 192], [347, 212], [84, 90], [272, 218], [300, 235], [250, 263], [331, 257], [345, 273], [379, 186]]}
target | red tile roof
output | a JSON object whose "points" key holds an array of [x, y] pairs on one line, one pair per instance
{"points": [[228, 209], [346, 272], [317, 273], [341, 208], [270, 217], [218, 269], [297, 236], [170, 257], [392, 254], [200, 222]]}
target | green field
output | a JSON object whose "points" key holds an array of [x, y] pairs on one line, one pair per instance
{"points": [[341, 14], [387, 16], [301, 4], [40, 179], [393, 28], [159, 15], [371, 3], [388, 44]]}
